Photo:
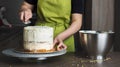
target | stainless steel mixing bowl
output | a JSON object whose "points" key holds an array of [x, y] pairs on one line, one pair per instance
{"points": [[96, 43]]}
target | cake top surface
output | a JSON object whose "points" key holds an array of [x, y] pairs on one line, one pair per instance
{"points": [[38, 27]]}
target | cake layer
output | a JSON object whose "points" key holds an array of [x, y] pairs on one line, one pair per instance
{"points": [[38, 34], [38, 46]]}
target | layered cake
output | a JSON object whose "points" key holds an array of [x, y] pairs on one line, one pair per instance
{"points": [[38, 38]]}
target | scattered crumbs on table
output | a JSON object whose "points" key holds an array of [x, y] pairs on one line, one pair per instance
{"points": [[82, 65], [10, 65], [78, 65], [93, 61]]}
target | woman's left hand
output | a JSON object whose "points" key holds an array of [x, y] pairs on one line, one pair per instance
{"points": [[59, 42]]}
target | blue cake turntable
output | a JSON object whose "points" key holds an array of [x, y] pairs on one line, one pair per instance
{"points": [[37, 56]]}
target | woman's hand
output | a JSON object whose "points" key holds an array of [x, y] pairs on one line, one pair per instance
{"points": [[59, 42], [25, 12], [25, 15]]}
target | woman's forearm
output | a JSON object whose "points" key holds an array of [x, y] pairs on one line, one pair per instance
{"points": [[74, 27]]}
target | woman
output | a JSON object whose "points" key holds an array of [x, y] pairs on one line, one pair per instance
{"points": [[65, 16]]}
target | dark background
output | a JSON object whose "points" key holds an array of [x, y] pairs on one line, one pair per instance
{"points": [[12, 9], [117, 25]]}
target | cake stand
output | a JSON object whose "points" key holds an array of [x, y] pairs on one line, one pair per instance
{"points": [[27, 56]]}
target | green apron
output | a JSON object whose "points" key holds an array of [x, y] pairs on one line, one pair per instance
{"points": [[56, 14]]}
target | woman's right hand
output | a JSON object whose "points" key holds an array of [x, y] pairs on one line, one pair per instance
{"points": [[59, 43], [25, 15]]}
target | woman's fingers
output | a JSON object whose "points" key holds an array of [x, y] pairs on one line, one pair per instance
{"points": [[59, 44], [55, 43], [61, 47], [21, 16], [25, 15]]}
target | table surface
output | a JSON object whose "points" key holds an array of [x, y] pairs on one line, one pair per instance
{"points": [[67, 60], [12, 38]]}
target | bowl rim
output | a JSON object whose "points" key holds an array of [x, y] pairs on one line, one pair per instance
{"points": [[95, 32]]}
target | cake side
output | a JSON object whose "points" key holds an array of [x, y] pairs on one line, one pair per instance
{"points": [[38, 38]]}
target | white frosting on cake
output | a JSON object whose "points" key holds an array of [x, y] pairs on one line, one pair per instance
{"points": [[38, 38]]}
